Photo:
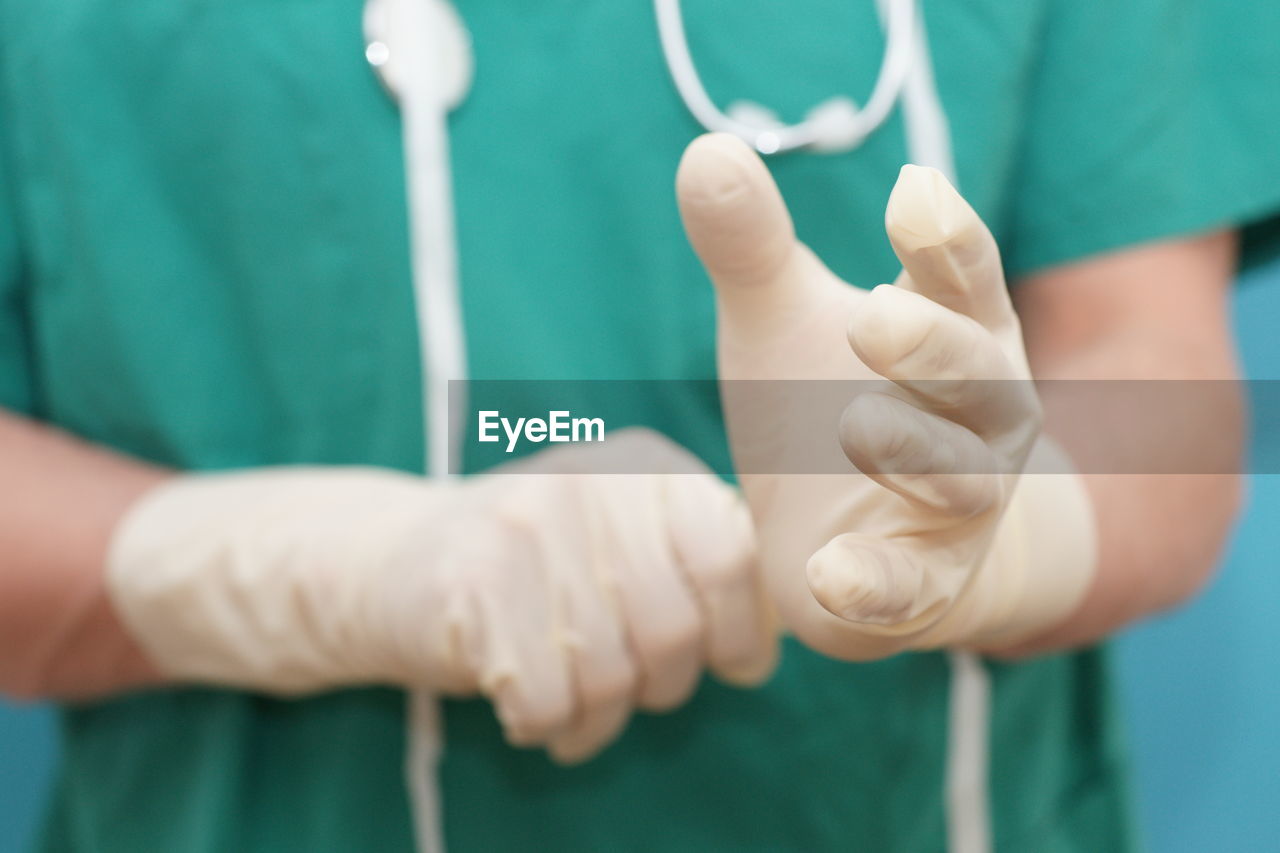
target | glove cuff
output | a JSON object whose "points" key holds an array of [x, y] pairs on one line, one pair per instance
{"points": [[1045, 553], [244, 579]]}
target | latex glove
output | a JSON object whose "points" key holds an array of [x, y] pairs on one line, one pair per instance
{"points": [[567, 598], [935, 542]]}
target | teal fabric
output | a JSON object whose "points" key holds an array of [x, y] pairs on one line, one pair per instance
{"points": [[15, 370], [215, 274], [1231, 118], [1147, 120]]}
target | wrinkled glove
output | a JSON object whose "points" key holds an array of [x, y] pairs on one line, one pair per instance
{"points": [[937, 541], [566, 597]]}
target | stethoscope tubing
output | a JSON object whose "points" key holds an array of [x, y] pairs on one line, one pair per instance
{"points": [[899, 25]]}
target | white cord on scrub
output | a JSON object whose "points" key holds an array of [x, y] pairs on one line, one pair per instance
{"points": [[834, 125], [422, 53]]}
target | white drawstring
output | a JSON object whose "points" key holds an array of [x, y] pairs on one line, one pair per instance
{"points": [[425, 98], [968, 807], [433, 243], [834, 125], [966, 785], [928, 132]]}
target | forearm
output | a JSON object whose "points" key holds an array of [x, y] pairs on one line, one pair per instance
{"points": [[1163, 484], [61, 499], [1159, 535], [1135, 580]]}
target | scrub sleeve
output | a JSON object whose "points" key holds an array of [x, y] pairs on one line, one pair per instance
{"points": [[1149, 120]]}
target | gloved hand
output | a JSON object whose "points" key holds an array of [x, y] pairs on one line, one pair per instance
{"points": [[935, 543], [566, 597]]}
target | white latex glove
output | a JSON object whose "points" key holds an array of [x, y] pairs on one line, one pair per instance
{"points": [[931, 544], [567, 598]]}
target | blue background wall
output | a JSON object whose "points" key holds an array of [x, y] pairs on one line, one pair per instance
{"points": [[26, 748], [1203, 685]]}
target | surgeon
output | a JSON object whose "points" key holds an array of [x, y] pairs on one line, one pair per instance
{"points": [[231, 542]]}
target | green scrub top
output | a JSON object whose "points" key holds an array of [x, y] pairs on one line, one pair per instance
{"points": [[207, 266]]}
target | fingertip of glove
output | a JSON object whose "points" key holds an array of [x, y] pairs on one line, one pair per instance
{"points": [[925, 210], [569, 754], [858, 584], [718, 171], [750, 673], [888, 325]]}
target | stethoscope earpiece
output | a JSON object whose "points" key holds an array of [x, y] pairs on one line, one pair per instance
{"points": [[388, 36], [833, 125]]}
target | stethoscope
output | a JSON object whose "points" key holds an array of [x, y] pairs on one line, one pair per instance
{"points": [[834, 125]]}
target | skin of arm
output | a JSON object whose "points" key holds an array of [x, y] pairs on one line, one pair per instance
{"points": [[61, 500], [1155, 312]]}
